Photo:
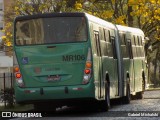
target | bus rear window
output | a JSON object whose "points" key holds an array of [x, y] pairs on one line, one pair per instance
{"points": [[51, 30]]}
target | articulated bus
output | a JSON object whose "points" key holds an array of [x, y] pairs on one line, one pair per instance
{"points": [[76, 58]]}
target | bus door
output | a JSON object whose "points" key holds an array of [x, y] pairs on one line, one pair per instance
{"points": [[98, 64], [115, 67]]}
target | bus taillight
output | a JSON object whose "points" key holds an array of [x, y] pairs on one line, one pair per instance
{"points": [[18, 76], [87, 70], [16, 69], [88, 64]]}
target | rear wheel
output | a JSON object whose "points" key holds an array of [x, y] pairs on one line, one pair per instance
{"points": [[143, 82], [105, 105], [139, 95], [127, 98]]}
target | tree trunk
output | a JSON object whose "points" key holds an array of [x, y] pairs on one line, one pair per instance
{"points": [[130, 18], [155, 70]]}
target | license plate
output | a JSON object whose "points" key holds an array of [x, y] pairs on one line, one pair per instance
{"points": [[54, 78]]}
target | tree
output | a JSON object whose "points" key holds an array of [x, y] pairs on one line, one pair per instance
{"points": [[28, 7], [147, 16], [144, 14]]}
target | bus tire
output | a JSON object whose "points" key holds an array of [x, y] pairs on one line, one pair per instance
{"points": [[143, 81], [139, 95], [106, 103], [127, 98]]}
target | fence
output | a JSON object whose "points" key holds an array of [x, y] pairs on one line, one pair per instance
{"points": [[6, 80]]}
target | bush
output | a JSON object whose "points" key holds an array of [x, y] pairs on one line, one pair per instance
{"points": [[7, 96]]}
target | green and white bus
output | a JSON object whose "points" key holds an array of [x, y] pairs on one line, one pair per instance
{"points": [[76, 58]]}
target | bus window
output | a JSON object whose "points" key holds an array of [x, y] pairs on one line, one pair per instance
{"points": [[134, 47], [113, 48], [122, 39], [141, 47], [109, 44], [51, 30], [130, 49], [141, 41], [134, 40], [138, 41], [97, 43], [123, 45], [29, 32], [112, 33], [138, 47], [101, 33], [103, 44], [107, 35]]}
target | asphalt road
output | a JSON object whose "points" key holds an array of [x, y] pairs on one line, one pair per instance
{"points": [[146, 109]]}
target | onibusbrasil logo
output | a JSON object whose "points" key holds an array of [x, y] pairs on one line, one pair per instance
{"points": [[17, 114]]}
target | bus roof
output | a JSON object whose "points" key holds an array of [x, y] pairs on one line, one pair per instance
{"points": [[100, 21], [64, 14], [130, 30]]}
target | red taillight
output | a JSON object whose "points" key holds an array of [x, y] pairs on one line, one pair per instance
{"points": [[87, 71], [18, 75]]}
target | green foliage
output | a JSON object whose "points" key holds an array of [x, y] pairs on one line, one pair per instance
{"points": [[144, 14]]}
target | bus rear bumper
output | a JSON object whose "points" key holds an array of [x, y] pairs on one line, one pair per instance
{"points": [[44, 94]]}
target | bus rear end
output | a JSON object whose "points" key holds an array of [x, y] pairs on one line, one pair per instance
{"points": [[52, 58]]}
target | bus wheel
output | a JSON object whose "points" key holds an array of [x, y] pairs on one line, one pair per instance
{"points": [[127, 98], [139, 95], [143, 81], [106, 103]]}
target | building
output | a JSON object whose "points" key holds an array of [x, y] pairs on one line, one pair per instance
{"points": [[6, 62]]}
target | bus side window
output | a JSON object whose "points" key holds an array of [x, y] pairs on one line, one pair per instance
{"points": [[123, 45], [141, 41], [107, 35], [112, 38], [141, 47], [138, 47], [101, 34], [138, 40], [106, 38], [113, 47], [109, 45], [134, 48], [129, 44], [103, 42], [97, 43]]}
